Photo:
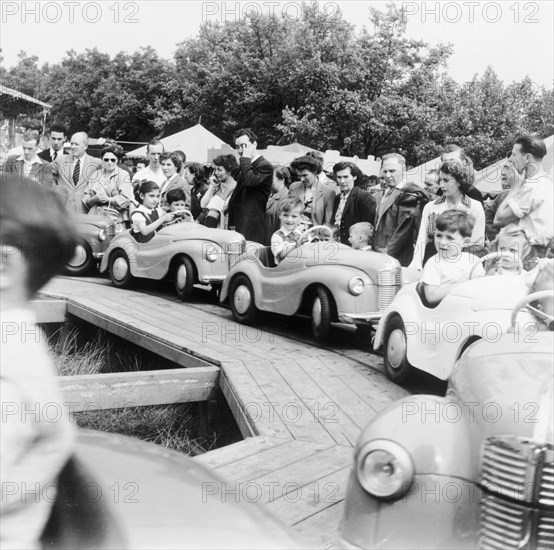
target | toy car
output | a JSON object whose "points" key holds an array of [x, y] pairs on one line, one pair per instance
{"points": [[327, 280], [119, 492], [186, 252], [474, 469], [95, 234], [431, 339]]}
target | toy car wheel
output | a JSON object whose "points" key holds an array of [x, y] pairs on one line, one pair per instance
{"points": [[120, 269], [184, 277], [81, 261], [321, 315], [395, 351], [242, 302]]}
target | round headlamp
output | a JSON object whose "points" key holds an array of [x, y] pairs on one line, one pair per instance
{"points": [[356, 285], [384, 469], [211, 253], [102, 235]]}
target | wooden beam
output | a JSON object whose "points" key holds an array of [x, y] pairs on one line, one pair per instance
{"points": [[132, 333], [90, 392], [50, 311]]}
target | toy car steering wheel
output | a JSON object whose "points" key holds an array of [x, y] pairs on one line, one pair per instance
{"points": [[491, 256], [316, 237], [525, 302]]}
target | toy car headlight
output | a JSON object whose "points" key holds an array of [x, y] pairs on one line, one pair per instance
{"points": [[384, 469], [356, 285], [102, 235], [211, 253]]}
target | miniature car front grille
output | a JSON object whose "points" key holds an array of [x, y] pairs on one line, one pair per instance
{"points": [[517, 511], [389, 282], [235, 249]]}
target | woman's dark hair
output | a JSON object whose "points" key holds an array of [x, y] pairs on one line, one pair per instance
{"points": [[283, 173], [460, 172], [114, 148], [306, 163], [197, 170], [144, 187], [174, 158], [229, 162]]}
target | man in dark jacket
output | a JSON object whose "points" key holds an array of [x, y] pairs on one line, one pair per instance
{"points": [[248, 201], [353, 204], [399, 212]]}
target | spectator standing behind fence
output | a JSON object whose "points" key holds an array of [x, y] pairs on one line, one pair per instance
{"points": [[194, 175], [73, 173], [529, 206], [508, 179], [171, 168], [353, 205], [109, 191], [318, 198], [33, 447], [153, 172], [215, 201], [248, 201], [56, 136], [28, 164], [279, 192], [399, 211], [454, 181]]}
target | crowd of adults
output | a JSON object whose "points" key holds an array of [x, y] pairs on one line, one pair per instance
{"points": [[246, 195]]}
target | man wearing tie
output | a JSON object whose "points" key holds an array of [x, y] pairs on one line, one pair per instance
{"points": [[57, 139], [399, 212], [74, 172], [353, 204]]}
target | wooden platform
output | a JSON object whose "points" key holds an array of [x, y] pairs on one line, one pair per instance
{"points": [[299, 407]]}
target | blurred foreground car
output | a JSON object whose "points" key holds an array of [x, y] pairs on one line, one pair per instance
{"points": [[431, 339], [326, 280], [119, 492], [95, 234], [474, 469], [186, 253]]}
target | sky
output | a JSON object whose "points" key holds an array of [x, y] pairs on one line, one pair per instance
{"points": [[515, 38]]}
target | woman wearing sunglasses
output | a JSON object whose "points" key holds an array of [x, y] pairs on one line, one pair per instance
{"points": [[110, 191]]}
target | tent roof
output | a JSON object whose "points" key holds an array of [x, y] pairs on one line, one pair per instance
{"points": [[13, 98], [194, 142], [487, 180]]}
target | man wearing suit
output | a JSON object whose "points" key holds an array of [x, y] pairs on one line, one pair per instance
{"points": [[74, 172], [248, 202], [57, 139], [353, 205], [399, 212], [318, 198], [29, 165]]}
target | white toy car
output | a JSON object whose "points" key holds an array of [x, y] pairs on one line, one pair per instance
{"points": [[432, 339]]}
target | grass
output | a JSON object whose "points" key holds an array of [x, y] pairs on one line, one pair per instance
{"points": [[93, 351]]}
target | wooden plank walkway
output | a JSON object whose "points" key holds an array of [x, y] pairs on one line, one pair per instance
{"points": [[299, 407]]}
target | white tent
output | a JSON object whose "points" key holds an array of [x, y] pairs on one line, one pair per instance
{"points": [[194, 142], [487, 180]]}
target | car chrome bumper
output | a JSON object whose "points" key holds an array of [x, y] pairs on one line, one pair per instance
{"points": [[212, 279], [360, 318], [97, 255]]}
